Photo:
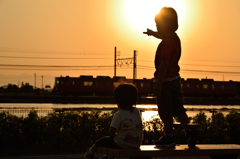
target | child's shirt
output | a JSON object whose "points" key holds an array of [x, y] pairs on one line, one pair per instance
{"points": [[129, 128], [170, 49]]}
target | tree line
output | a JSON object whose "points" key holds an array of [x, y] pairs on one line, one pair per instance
{"points": [[24, 88]]}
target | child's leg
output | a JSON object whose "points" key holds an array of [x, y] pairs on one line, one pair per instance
{"points": [[179, 110], [90, 153], [167, 140], [165, 107], [93, 148], [183, 117], [168, 125], [191, 134], [106, 141]]}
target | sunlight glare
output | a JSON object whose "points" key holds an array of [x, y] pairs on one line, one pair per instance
{"points": [[140, 14], [149, 115]]}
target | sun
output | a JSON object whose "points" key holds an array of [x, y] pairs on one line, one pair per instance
{"points": [[139, 14]]}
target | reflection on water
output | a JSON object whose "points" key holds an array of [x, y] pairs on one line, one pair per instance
{"points": [[148, 111], [192, 110], [148, 115]]}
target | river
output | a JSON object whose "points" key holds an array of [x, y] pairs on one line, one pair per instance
{"points": [[148, 111]]}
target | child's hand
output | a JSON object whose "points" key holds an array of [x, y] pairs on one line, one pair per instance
{"points": [[149, 32]]}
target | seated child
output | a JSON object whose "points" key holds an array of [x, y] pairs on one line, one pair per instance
{"points": [[126, 126]]}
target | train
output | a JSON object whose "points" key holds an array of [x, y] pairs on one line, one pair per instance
{"points": [[86, 85]]}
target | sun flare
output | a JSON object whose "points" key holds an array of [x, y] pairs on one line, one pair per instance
{"points": [[140, 13]]}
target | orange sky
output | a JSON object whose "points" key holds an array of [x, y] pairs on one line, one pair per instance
{"points": [[84, 33]]}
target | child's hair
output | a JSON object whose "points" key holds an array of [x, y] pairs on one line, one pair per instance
{"points": [[168, 16], [126, 96]]}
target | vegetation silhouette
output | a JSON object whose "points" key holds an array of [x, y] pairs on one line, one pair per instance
{"points": [[25, 88], [74, 132]]}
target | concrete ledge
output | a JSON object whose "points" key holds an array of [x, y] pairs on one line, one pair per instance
{"points": [[74, 156], [81, 156], [181, 150]]}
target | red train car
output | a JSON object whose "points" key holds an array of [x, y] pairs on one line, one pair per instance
{"points": [[209, 88], [101, 85], [104, 85]]}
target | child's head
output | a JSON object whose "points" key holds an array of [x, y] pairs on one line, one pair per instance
{"points": [[126, 96], [167, 20]]}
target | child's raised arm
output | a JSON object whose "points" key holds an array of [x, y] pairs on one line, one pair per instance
{"points": [[149, 32]]}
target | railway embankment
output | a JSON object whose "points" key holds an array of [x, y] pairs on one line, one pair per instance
{"points": [[107, 100]]}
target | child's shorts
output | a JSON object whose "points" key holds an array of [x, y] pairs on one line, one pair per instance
{"points": [[106, 142], [170, 103]]}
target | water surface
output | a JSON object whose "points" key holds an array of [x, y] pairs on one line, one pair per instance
{"points": [[148, 111]]}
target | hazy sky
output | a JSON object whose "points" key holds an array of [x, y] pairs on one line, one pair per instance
{"points": [[84, 33]]}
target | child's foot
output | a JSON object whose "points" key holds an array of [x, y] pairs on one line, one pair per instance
{"points": [[165, 142], [104, 157], [191, 138], [89, 155]]}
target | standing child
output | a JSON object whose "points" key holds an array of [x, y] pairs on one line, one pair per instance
{"points": [[167, 79], [126, 126]]}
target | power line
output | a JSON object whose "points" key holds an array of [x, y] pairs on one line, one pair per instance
{"points": [[145, 61], [48, 52], [211, 60], [18, 50], [50, 69], [205, 73], [184, 59], [48, 58], [209, 65], [96, 68], [222, 72], [196, 64], [40, 69], [146, 66], [187, 70], [184, 70], [50, 66], [36, 51]]}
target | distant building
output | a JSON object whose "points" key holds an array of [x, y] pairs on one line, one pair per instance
{"points": [[48, 88]]}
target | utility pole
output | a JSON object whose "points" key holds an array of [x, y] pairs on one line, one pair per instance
{"points": [[35, 79], [42, 82], [213, 112], [122, 61], [134, 66], [115, 61]]}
